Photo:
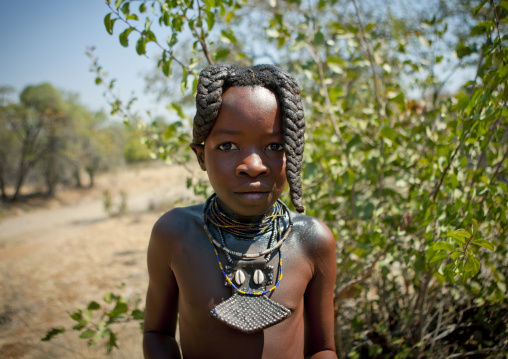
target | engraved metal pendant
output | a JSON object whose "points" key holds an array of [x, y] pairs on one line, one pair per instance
{"points": [[250, 313]]}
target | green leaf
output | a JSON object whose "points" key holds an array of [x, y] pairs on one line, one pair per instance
{"points": [[483, 27], [455, 255], [449, 272], [138, 314], [141, 46], [87, 334], [503, 4], [119, 309], [52, 333], [475, 226], [443, 246], [399, 100], [388, 132], [472, 266], [132, 17], [319, 39], [210, 4], [210, 19], [178, 109], [108, 22], [77, 316], [111, 342], [221, 54], [477, 9], [93, 305], [166, 68], [336, 64], [228, 36], [439, 256], [172, 40], [484, 243], [459, 235], [126, 8], [148, 23], [109, 297], [124, 37], [80, 325]]}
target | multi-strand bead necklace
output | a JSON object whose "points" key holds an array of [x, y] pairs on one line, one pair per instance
{"points": [[272, 222]]}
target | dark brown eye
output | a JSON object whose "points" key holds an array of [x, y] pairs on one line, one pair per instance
{"points": [[228, 146], [277, 147]]}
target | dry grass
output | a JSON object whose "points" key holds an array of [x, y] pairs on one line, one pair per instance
{"points": [[57, 259]]}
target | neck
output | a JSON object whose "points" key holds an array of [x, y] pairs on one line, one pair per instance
{"points": [[242, 219]]}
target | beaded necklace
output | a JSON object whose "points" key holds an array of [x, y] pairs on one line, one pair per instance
{"points": [[249, 310], [223, 247], [240, 229]]}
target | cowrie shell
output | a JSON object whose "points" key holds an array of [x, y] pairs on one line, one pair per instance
{"points": [[259, 277], [239, 277]]}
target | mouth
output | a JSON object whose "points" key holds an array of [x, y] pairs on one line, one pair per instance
{"points": [[253, 192], [252, 196]]}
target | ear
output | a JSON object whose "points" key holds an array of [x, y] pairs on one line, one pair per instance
{"points": [[199, 150]]}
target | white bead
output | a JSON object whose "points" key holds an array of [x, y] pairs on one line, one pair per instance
{"points": [[239, 277], [259, 277]]}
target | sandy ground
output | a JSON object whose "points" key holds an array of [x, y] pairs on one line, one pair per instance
{"points": [[56, 259]]}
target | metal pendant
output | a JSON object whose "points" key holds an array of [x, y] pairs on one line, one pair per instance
{"points": [[249, 313]]}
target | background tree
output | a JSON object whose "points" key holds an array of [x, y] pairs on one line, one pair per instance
{"points": [[51, 138]]}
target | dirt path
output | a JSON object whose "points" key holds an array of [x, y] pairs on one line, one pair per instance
{"points": [[55, 260]]}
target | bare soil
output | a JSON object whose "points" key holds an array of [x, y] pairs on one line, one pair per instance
{"points": [[56, 256]]}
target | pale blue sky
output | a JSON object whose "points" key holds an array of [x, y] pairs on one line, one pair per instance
{"points": [[45, 41]]}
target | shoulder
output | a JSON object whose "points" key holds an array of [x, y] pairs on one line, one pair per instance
{"points": [[313, 234], [174, 224]]}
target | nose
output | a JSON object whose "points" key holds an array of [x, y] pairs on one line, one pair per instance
{"points": [[252, 166]]}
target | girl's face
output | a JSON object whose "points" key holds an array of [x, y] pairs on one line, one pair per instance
{"points": [[243, 154]]}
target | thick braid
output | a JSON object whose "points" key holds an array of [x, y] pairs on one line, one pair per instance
{"points": [[215, 78], [209, 99], [293, 129]]}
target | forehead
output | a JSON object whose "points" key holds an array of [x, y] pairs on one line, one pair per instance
{"points": [[248, 97], [252, 110]]}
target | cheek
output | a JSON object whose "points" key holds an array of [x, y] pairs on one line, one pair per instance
{"points": [[281, 173]]}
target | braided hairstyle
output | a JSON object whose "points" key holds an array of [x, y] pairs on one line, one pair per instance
{"points": [[215, 79]]}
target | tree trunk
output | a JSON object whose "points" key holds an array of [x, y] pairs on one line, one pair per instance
{"points": [[3, 195], [77, 177], [91, 175], [23, 170]]}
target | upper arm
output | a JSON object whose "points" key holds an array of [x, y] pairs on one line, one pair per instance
{"points": [[162, 295], [319, 311]]}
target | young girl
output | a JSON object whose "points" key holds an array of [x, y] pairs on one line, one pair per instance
{"points": [[245, 276]]}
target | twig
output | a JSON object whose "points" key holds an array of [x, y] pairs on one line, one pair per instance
{"points": [[365, 274], [170, 53], [445, 171], [376, 95], [493, 4], [201, 38], [438, 327], [324, 88], [498, 167], [475, 352]]}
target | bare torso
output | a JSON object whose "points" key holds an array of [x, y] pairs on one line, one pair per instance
{"points": [[199, 283]]}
